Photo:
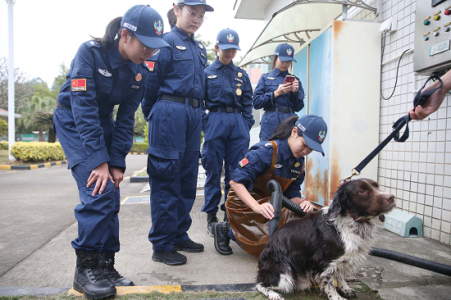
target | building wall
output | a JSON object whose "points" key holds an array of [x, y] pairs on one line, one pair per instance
{"points": [[417, 172]]}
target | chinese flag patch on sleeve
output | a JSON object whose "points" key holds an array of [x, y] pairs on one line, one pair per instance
{"points": [[150, 65], [78, 85], [243, 162]]}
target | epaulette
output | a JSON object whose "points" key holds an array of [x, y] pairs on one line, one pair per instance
{"points": [[93, 44]]}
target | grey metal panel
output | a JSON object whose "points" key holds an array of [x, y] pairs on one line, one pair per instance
{"points": [[424, 62]]}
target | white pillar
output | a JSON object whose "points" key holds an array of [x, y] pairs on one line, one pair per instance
{"points": [[11, 110]]}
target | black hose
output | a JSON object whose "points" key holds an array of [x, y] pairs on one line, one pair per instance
{"points": [[411, 260], [276, 202]]}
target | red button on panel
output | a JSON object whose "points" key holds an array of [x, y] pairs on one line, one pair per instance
{"points": [[447, 12]]}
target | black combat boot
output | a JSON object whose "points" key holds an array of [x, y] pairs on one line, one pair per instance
{"points": [[171, 257], [106, 261], [89, 278], [211, 218], [222, 239]]}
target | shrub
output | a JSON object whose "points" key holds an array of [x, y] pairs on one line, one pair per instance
{"points": [[37, 151], [4, 146], [139, 147]]}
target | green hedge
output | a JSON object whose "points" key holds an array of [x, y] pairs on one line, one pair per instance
{"points": [[3, 145], [37, 151], [139, 147]]}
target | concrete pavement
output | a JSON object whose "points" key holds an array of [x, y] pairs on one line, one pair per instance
{"points": [[47, 260]]}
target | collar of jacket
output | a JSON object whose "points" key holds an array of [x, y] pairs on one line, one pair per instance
{"points": [[285, 150], [218, 64], [116, 61], [182, 34], [276, 72]]}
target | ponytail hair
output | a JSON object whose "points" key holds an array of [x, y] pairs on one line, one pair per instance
{"points": [[283, 130], [172, 18], [112, 34], [274, 59]]}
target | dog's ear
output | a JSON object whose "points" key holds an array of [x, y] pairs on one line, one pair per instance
{"points": [[338, 205]]}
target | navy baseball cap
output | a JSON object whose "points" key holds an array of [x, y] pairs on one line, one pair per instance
{"points": [[314, 131], [196, 2], [285, 52], [228, 39], [146, 24]]}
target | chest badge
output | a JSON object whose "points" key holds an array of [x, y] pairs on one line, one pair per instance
{"points": [[238, 91], [239, 80], [297, 164], [138, 77], [180, 47], [105, 73], [278, 166], [240, 74], [150, 65], [213, 76], [134, 86], [203, 55], [270, 78], [201, 46]]}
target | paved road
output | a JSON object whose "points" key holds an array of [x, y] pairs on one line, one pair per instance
{"points": [[37, 205]]}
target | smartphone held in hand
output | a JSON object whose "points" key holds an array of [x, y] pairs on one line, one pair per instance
{"points": [[289, 79]]}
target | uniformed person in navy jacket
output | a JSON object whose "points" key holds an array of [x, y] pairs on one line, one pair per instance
{"points": [[105, 72], [279, 100], [282, 159], [172, 106], [226, 121]]}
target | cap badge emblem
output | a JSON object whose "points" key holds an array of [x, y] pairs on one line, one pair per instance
{"points": [[158, 25], [230, 38], [289, 52], [322, 135]]}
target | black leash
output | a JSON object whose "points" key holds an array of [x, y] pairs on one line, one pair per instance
{"points": [[420, 99]]}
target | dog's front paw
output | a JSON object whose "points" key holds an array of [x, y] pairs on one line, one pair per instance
{"points": [[270, 294], [349, 293]]}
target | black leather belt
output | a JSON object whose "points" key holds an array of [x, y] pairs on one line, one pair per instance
{"points": [[192, 102], [110, 115], [280, 109], [226, 109]]}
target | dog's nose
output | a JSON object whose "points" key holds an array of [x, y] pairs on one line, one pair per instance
{"points": [[390, 198]]}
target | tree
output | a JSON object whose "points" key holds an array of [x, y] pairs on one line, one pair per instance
{"points": [[44, 120], [22, 87], [39, 105], [59, 80], [3, 129]]}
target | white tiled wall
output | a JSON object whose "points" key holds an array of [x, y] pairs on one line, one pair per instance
{"points": [[417, 172]]}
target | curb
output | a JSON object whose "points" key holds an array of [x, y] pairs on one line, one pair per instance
{"points": [[137, 153], [167, 289], [32, 167], [139, 179]]}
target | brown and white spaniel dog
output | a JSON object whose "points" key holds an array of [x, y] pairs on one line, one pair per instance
{"points": [[325, 245]]}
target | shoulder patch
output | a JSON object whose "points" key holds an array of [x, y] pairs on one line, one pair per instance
{"points": [[243, 162], [78, 85]]}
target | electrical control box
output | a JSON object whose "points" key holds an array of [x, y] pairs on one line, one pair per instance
{"points": [[432, 37]]}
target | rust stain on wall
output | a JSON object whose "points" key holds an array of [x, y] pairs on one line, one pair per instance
{"points": [[335, 173], [317, 184], [337, 26]]}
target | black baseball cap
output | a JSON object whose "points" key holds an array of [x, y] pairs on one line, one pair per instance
{"points": [[146, 24], [314, 131], [196, 2]]}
